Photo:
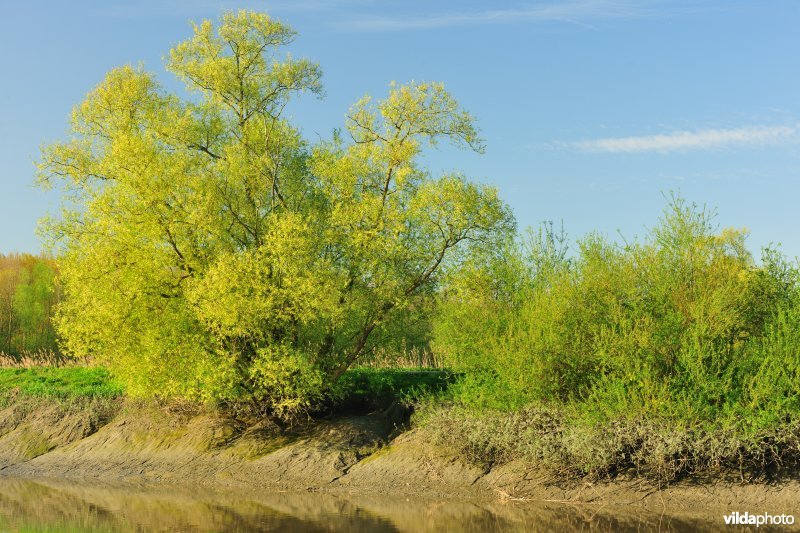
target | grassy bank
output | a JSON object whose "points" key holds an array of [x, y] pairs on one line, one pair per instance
{"points": [[43, 408], [559, 438]]}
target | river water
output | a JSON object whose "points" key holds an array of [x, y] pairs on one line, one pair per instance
{"points": [[59, 506]]}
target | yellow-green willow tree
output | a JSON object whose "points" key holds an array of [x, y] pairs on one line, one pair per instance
{"points": [[208, 251]]}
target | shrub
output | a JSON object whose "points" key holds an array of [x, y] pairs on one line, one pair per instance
{"points": [[682, 332]]}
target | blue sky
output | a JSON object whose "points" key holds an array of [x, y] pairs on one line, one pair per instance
{"points": [[591, 110]]}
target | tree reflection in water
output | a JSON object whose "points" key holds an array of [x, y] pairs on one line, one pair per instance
{"points": [[46, 505]]}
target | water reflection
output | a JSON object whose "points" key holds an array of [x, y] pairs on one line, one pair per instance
{"points": [[27, 505]]}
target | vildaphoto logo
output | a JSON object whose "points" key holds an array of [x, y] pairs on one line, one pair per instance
{"points": [[762, 519]]}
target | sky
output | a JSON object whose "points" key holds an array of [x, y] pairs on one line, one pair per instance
{"points": [[593, 111]]}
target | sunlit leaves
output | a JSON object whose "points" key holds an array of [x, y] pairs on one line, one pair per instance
{"points": [[208, 250]]}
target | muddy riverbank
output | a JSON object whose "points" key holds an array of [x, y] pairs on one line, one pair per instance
{"points": [[371, 454]]}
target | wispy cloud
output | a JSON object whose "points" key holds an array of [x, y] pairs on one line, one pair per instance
{"points": [[572, 11], [690, 140]]}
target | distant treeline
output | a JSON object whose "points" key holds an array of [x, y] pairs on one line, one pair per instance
{"points": [[28, 295]]}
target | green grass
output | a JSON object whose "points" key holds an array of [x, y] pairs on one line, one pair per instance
{"points": [[360, 389], [59, 382]]}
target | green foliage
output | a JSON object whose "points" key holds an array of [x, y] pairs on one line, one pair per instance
{"points": [[680, 332], [286, 380], [208, 251], [480, 308], [58, 382], [33, 302], [28, 294]]}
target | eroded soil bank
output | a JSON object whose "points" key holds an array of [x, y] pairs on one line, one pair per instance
{"points": [[366, 455]]}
